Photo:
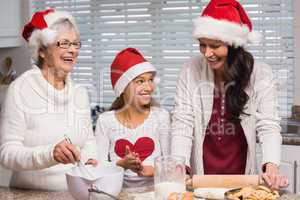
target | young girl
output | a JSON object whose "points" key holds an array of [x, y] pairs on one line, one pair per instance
{"points": [[131, 133]]}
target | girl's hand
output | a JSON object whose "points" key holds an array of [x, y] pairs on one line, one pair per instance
{"points": [[130, 161], [146, 171], [273, 178], [92, 162], [65, 153]]}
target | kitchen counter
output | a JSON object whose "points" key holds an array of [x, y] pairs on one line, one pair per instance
{"points": [[290, 139], [127, 194], [290, 131], [20, 194]]}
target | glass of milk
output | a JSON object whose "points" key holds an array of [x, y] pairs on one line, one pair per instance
{"points": [[169, 176]]}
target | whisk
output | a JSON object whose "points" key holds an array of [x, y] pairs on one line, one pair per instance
{"points": [[81, 166]]}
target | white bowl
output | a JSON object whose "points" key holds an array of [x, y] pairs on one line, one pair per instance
{"points": [[106, 178]]}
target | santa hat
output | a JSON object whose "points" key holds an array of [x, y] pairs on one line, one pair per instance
{"points": [[225, 20], [42, 20], [127, 65]]}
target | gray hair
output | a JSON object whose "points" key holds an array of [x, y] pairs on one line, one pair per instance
{"points": [[42, 38]]}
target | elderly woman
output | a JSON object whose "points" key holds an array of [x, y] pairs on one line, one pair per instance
{"points": [[225, 100], [43, 107]]}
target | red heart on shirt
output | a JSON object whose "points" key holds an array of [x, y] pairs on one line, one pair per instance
{"points": [[144, 146]]}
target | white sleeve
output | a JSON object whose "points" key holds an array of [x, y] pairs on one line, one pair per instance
{"points": [[89, 149], [183, 117], [267, 116], [103, 143], [164, 132], [13, 154]]}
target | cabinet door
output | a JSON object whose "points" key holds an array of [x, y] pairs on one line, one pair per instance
{"points": [[287, 169], [290, 154], [10, 23], [5, 176]]}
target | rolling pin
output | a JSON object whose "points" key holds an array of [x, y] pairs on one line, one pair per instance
{"points": [[225, 181]]}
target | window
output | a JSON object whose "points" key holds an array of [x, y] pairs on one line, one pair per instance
{"points": [[162, 31]]}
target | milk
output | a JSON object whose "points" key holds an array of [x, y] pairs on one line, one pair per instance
{"points": [[164, 189]]}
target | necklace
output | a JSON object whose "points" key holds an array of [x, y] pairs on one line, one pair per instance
{"points": [[132, 122]]}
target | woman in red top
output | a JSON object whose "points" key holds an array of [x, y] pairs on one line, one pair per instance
{"points": [[225, 100]]}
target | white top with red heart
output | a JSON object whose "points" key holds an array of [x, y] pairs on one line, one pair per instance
{"points": [[149, 139]]}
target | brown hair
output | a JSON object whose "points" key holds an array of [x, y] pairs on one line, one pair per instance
{"points": [[238, 71], [119, 103]]}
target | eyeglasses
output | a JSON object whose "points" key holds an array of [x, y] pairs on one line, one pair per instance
{"points": [[67, 44]]}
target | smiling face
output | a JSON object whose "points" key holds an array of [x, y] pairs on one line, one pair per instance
{"points": [[57, 60], [215, 52], [139, 91]]}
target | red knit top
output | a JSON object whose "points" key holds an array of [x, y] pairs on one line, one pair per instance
{"points": [[225, 145]]}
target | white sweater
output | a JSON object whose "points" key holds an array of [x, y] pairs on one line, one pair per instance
{"points": [[110, 131], [35, 117], [193, 108]]}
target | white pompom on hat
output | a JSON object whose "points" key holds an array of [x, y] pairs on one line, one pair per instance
{"points": [[225, 20]]}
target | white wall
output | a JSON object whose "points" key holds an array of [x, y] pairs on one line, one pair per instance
{"points": [[297, 52]]}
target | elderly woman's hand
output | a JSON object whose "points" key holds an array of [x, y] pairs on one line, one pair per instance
{"points": [[273, 178], [66, 153]]}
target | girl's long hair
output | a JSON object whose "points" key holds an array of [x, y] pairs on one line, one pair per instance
{"points": [[119, 103], [237, 74]]}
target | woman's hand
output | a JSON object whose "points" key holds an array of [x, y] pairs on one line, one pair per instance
{"points": [[91, 161], [146, 171], [65, 153], [273, 178], [130, 161]]}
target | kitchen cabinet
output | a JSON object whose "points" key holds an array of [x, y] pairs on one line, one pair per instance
{"points": [[290, 154], [289, 166], [287, 169], [5, 176], [10, 23]]}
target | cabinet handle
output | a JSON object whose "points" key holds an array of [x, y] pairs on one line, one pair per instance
{"points": [[295, 176]]}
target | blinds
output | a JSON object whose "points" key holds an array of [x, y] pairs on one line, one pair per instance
{"points": [[162, 31]]}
